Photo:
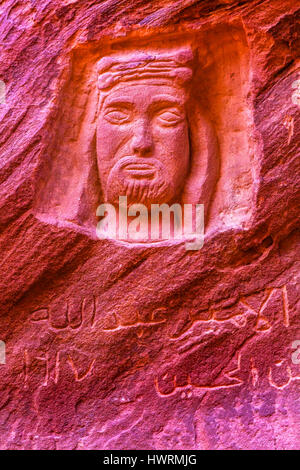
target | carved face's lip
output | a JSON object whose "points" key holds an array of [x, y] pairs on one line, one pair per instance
{"points": [[140, 169], [141, 166], [141, 173]]}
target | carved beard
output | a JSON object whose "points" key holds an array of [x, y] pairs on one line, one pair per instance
{"points": [[156, 190]]}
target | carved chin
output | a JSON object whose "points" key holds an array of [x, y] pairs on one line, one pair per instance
{"points": [[138, 189]]}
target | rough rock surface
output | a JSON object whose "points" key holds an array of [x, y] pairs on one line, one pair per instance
{"points": [[149, 347]]}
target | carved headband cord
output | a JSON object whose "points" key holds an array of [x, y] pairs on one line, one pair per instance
{"points": [[172, 66]]}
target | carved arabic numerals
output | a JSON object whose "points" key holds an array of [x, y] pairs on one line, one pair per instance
{"points": [[81, 365], [40, 369]]}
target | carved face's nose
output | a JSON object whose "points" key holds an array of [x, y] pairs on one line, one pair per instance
{"points": [[142, 141]]}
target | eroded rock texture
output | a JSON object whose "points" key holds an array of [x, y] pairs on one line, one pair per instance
{"points": [[117, 346]]}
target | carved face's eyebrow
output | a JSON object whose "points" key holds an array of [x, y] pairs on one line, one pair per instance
{"points": [[122, 103], [163, 101], [166, 99]]}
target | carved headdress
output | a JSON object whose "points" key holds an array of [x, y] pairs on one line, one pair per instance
{"points": [[162, 67]]}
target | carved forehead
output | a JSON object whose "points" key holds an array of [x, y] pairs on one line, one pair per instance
{"points": [[146, 93]]}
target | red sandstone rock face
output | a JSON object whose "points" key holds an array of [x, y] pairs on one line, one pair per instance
{"points": [[115, 346]]}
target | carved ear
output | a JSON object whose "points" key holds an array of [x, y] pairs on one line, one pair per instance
{"points": [[205, 162]]}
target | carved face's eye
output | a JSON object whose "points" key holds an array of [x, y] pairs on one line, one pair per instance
{"points": [[117, 115], [170, 117]]}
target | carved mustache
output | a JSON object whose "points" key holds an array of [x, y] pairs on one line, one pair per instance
{"points": [[138, 166], [134, 162]]}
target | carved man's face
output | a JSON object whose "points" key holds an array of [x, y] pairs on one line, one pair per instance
{"points": [[142, 143]]}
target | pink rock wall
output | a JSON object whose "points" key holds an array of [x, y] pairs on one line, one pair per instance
{"points": [[130, 346]]}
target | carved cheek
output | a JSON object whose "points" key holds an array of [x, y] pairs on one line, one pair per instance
{"points": [[110, 138], [171, 140]]}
